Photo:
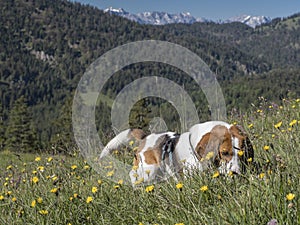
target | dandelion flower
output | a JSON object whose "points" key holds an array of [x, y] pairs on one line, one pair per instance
{"points": [[209, 155], [73, 167], [9, 167], [54, 190], [110, 173], [1, 197], [120, 182], [39, 200], [179, 186], [179, 223], [290, 196], [86, 167], [277, 125], [41, 168], [249, 160], [204, 188], [293, 123], [261, 175], [240, 153], [33, 203], [35, 180], [89, 199], [43, 212], [94, 190], [250, 125], [131, 143], [75, 195], [99, 182], [266, 147], [37, 159], [149, 188], [14, 199], [49, 159], [216, 174]]}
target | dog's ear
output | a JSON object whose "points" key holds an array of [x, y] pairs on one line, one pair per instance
{"points": [[244, 143], [216, 142]]}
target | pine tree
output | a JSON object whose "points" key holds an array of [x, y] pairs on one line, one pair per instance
{"points": [[20, 136]]}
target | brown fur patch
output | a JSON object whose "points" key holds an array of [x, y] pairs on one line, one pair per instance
{"points": [[220, 138], [239, 134], [138, 134], [152, 156]]}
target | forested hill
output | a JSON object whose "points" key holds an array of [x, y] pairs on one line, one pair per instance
{"points": [[46, 46]]}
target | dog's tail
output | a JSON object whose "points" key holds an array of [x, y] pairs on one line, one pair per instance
{"points": [[121, 139]]}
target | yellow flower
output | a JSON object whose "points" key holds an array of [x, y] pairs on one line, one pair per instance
{"points": [[277, 125], [216, 174], [1, 197], [75, 195], [99, 182], [293, 123], [131, 143], [35, 180], [89, 199], [261, 175], [290, 196], [135, 168], [250, 125], [240, 153], [39, 200], [149, 188], [8, 193], [86, 167], [230, 173], [41, 168], [110, 173], [249, 160], [139, 181], [120, 182], [179, 186], [9, 167], [14, 199], [43, 212], [204, 188], [179, 223], [37, 159], [54, 190], [49, 159], [73, 167], [33, 203], [266, 147], [94, 189], [209, 155], [116, 186]]}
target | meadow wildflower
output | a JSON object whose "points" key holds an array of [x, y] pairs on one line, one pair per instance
{"points": [[75, 195], [131, 143], [110, 173], [277, 125], [14, 199], [73, 167], [86, 167], [290, 196], [43, 212], [204, 188], [94, 190], [293, 122], [41, 168], [54, 190], [266, 147], [116, 186], [99, 182], [135, 168], [49, 159], [89, 199], [33, 203], [249, 160], [9, 167], [37, 159], [261, 175], [240, 153], [35, 180], [139, 181], [120, 182], [149, 188], [1, 197], [250, 125], [179, 223], [179, 186], [39, 200], [216, 174]]}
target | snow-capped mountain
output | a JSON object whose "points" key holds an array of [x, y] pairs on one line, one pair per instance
{"points": [[162, 18], [156, 18], [251, 21]]}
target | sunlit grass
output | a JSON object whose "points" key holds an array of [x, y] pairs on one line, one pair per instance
{"points": [[57, 189]]}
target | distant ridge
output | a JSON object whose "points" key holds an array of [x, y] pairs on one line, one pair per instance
{"points": [[162, 18]]}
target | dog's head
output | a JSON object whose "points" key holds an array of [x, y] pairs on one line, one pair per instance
{"points": [[230, 148]]}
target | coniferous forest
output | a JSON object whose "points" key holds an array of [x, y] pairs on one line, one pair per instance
{"points": [[47, 45]]}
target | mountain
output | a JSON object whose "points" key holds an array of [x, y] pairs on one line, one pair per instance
{"points": [[156, 18], [163, 18], [252, 21]]}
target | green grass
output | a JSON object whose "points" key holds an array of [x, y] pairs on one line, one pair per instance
{"points": [[253, 198]]}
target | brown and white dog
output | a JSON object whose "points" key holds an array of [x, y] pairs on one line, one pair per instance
{"points": [[161, 155]]}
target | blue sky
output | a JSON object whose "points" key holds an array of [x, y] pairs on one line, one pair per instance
{"points": [[209, 9]]}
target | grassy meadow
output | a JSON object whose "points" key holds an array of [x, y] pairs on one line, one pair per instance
{"points": [[59, 189]]}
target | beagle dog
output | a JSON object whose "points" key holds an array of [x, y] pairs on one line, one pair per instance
{"points": [[205, 145]]}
